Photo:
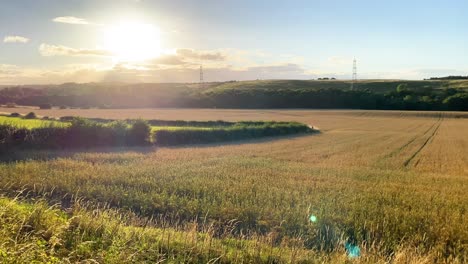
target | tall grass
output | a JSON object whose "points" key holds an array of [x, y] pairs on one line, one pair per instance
{"points": [[39, 233]]}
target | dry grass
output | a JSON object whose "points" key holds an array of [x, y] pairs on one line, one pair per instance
{"points": [[394, 181]]}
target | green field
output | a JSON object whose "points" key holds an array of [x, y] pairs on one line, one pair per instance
{"points": [[30, 123]]}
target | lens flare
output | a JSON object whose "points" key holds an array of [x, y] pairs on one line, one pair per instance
{"points": [[313, 218], [353, 250]]}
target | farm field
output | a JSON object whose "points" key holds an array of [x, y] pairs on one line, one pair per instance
{"points": [[393, 183]]}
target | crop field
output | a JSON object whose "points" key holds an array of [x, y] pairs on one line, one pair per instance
{"points": [[394, 184]]}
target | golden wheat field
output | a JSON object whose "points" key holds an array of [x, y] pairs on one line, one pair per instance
{"points": [[395, 183]]}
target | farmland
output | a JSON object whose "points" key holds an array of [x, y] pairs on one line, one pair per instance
{"points": [[392, 182]]}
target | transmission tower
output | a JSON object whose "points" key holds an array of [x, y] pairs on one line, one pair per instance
{"points": [[201, 76], [354, 79]]}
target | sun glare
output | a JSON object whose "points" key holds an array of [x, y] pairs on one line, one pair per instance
{"points": [[133, 41]]}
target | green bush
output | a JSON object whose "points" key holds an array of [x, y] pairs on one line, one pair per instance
{"points": [[30, 115], [139, 133], [237, 132]]}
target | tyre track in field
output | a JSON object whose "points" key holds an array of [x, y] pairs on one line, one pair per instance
{"points": [[429, 139], [395, 152]]}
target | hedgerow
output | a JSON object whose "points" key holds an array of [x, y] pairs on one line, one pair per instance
{"points": [[238, 132], [86, 133]]}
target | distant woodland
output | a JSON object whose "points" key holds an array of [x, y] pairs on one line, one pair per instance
{"points": [[442, 94]]}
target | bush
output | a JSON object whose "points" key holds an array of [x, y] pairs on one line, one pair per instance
{"points": [[45, 106], [30, 115], [67, 118], [238, 132], [10, 105], [63, 107], [120, 129], [15, 114], [139, 133]]}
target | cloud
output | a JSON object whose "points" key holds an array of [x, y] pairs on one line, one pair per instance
{"points": [[6, 69], [71, 20], [278, 69], [169, 59], [15, 39], [338, 60], [59, 50], [126, 72], [187, 58], [201, 55]]}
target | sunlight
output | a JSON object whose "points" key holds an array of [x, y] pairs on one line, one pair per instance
{"points": [[132, 41]]}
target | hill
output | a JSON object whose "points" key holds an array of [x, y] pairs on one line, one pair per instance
{"points": [[366, 94]]}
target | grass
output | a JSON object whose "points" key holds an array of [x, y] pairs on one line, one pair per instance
{"points": [[30, 123], [393, 183], [173, 128], [44, 234]]}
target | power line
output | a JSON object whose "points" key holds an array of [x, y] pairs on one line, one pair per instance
{"points": [[354, 78], [201, 76]]}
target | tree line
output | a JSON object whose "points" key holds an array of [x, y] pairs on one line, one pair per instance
{"points": [[402, 96]]}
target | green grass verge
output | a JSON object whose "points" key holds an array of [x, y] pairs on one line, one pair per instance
{"points": [[38, 233], [30, 123]]}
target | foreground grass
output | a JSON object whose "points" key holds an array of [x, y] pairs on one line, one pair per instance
{"points": [[38, 233]]}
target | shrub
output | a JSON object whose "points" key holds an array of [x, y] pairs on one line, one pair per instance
{"points": [[45, 106], [15, 114], [10, 105], [30, 115], [120, 129], [67, 118], [237, 132], [139, 133], [63, 107]]}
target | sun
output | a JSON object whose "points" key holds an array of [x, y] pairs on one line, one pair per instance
{"points": [[132, 41]]}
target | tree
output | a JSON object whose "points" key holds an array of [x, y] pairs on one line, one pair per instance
{"points": [[457, 102]]}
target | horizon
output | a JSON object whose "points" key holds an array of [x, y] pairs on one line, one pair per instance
{"points": [[142, 41], [214, 82]]}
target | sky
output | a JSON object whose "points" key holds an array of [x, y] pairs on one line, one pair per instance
{"points": [[57, 41]]}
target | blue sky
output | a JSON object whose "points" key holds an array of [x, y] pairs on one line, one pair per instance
{"points": [[232, 39]]}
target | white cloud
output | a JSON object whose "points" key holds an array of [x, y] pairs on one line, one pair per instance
{"points": [[200, 55], [71, 20], [15, 39], [338, 60], [59, 50]]}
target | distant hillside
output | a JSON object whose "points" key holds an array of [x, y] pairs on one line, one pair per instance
{"points": [[366, 94], [379, 86]]}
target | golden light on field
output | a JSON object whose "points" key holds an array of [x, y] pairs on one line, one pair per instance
{"points": [[132, 41]]}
